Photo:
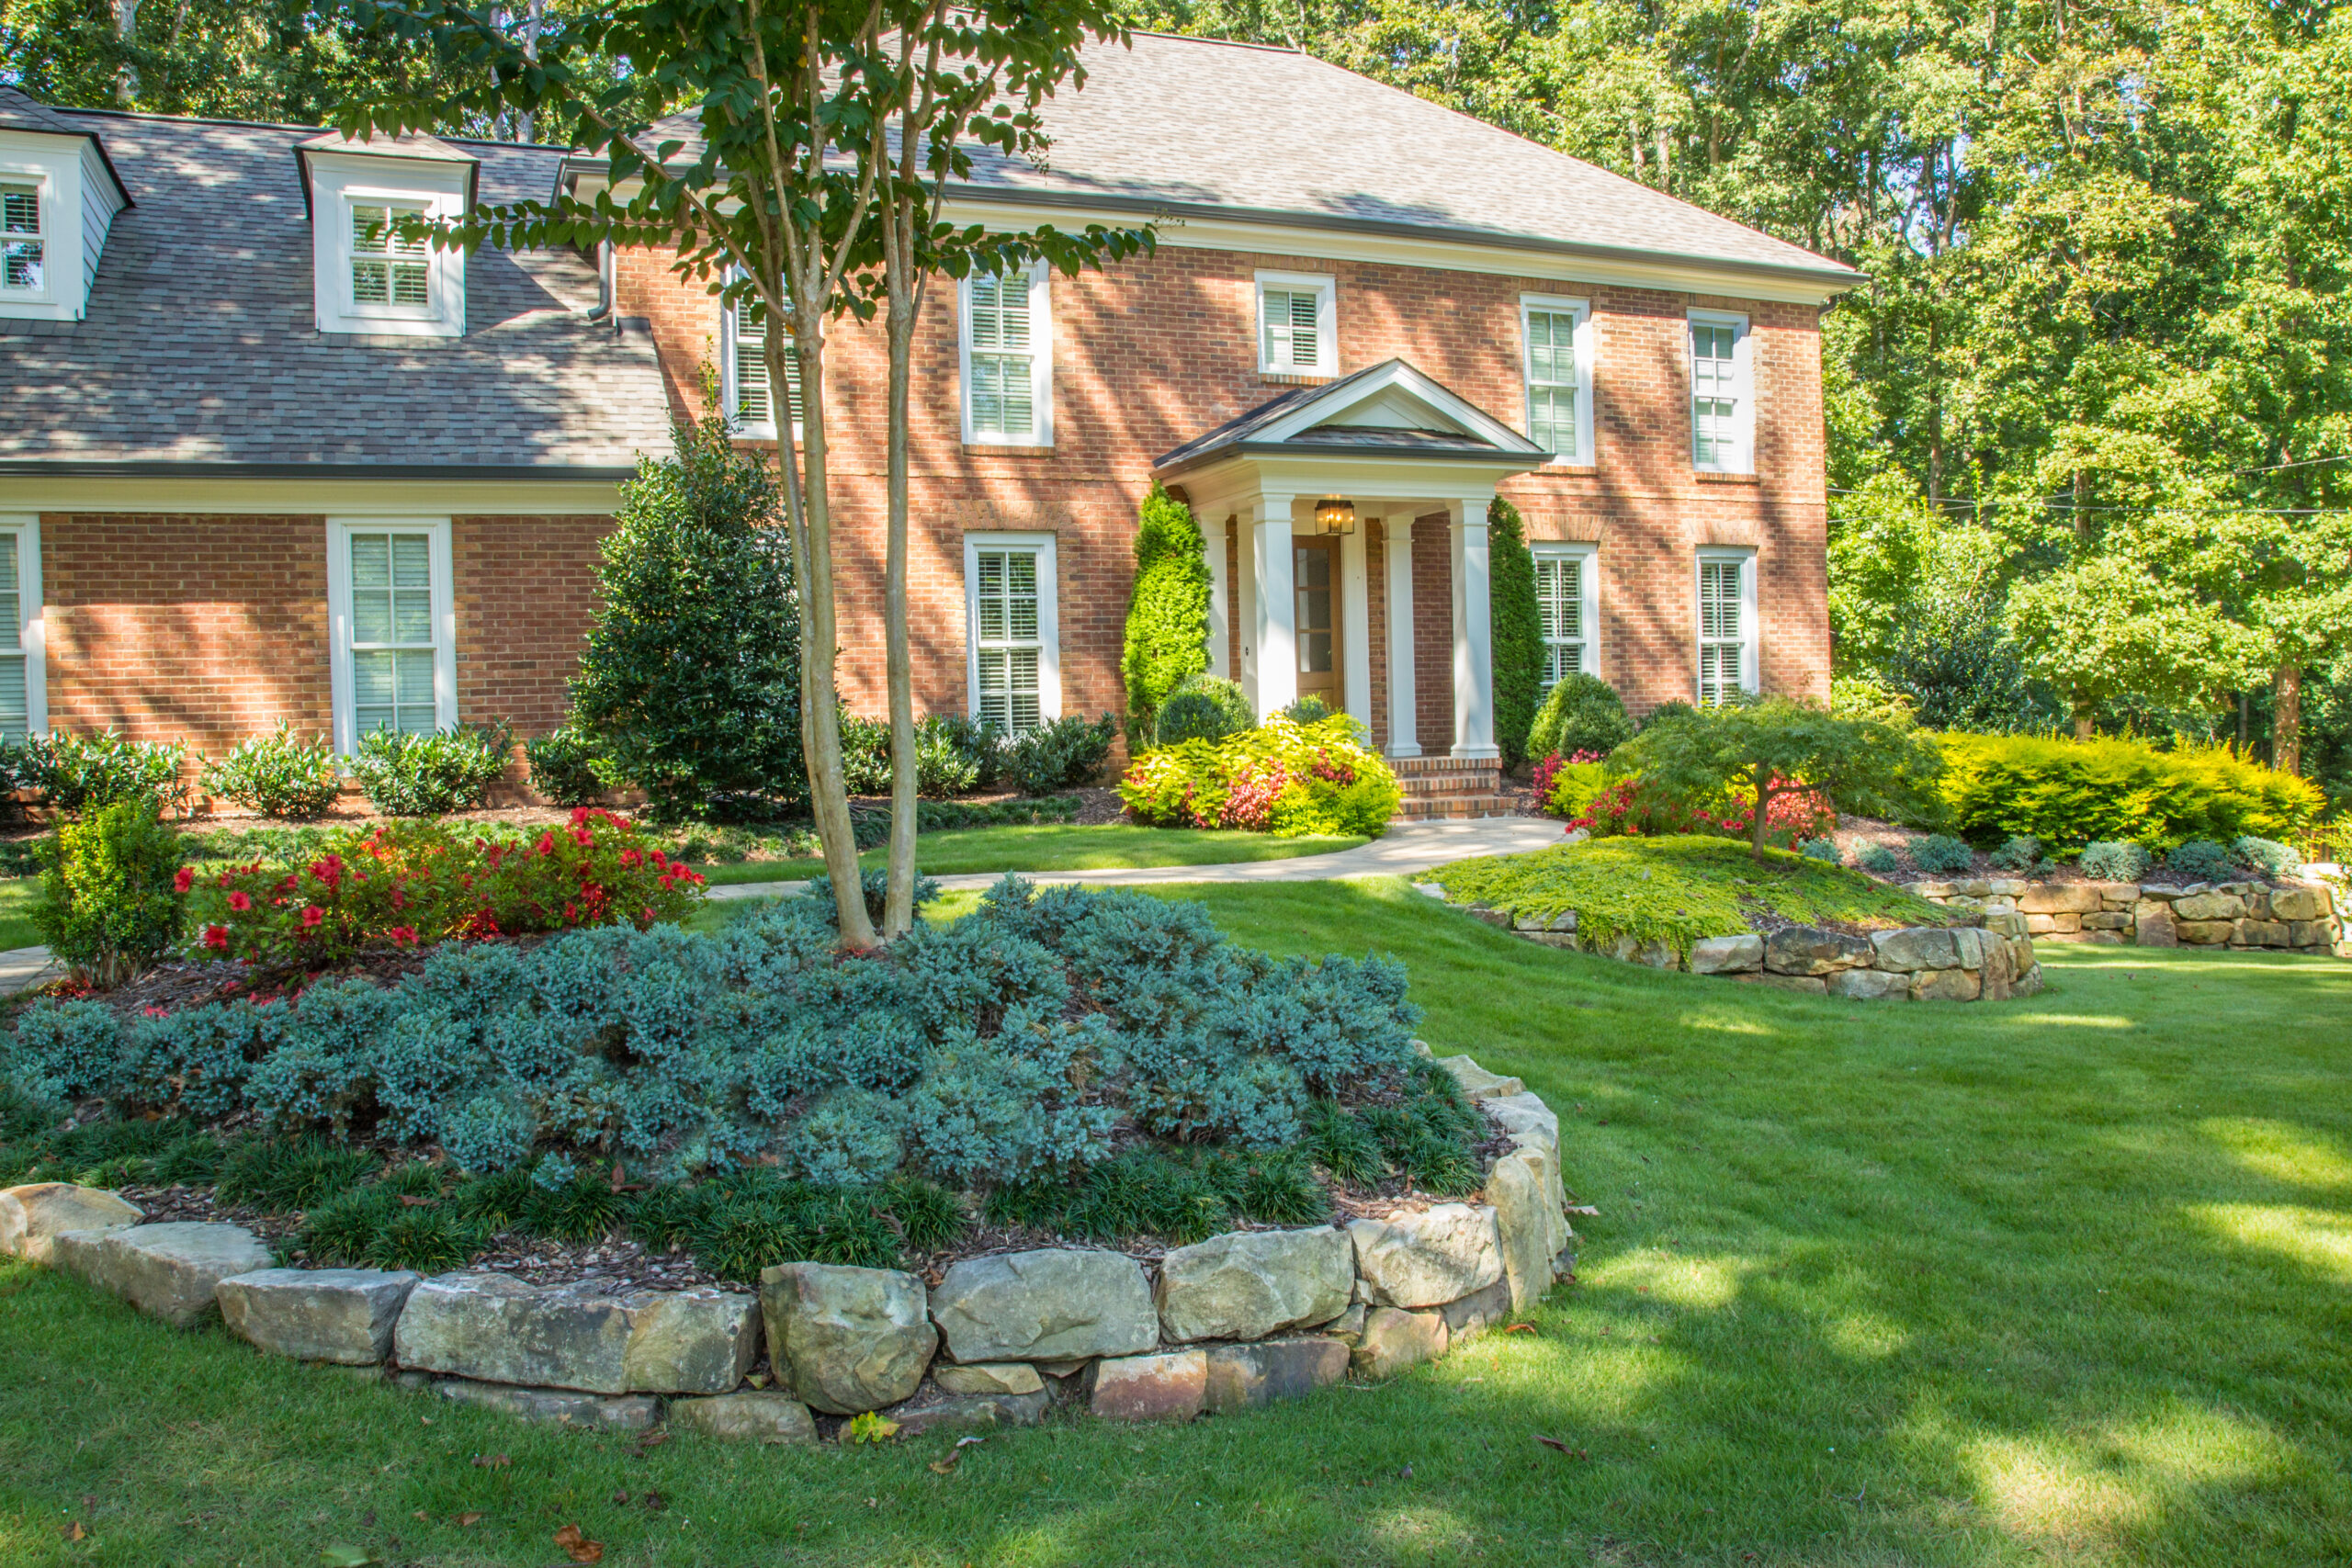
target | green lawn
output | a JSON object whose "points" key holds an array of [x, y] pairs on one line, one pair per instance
{"points": [[17, 897], [2064, 1280], [1056, 846]]}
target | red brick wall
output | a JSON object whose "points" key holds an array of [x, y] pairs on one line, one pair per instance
{"points": [[1157, 350], [526, 589], [1433, 634]]}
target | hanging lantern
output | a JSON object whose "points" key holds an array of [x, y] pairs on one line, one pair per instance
{"points": [[1335, 516]]}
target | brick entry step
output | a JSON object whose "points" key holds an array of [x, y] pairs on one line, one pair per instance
{"points": [[1450, 786]]}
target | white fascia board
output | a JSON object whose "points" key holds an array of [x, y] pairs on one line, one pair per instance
{"points": [[355, 497], [1402, 377], [1674, 275], [1367, 478]]}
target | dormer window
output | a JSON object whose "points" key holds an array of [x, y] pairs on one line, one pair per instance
{"points": [[58, 200], [387, 268], [20, 241], [373, 271]]}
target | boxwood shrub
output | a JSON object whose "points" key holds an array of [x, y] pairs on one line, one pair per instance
{"points": [[2070, 793]]}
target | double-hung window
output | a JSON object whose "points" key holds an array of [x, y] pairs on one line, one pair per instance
{"points": [[1723, 394], [21, 247], [743, 361], [1010, 601], [1008, 359], [394, 628], [1297, 324], [1726, 626], [390, 272], [1558, 335], [1566, 607], [23, 686]]}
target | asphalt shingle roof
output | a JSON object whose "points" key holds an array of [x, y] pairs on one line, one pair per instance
{"points": [[201, 345]]}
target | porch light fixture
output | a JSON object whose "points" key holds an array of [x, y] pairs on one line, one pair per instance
{"points": [[1333, 516]]}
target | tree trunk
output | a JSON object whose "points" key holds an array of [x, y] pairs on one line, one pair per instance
{"points": [[2287, 719], [905, 302], [533, 20], [1756, 826], [126, 75], [2081, 718]]}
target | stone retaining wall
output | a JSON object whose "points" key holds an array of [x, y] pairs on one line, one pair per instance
{"points": [[2298, 916], [1231, 1321], [1989, 959]]}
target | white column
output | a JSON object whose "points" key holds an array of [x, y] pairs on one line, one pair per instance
{"points": [[1473, 664], [1401, 741], [1245, 604], [1355, 626], [1277, 606], [1220, 613]]}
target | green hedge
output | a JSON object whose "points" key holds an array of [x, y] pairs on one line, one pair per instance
{"points": [[2071, 793], [1168, 611]]}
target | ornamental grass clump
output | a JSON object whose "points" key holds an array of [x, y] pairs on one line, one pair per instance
{"points": [[1282, 777]]}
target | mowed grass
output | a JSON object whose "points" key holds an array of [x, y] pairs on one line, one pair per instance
{"points": [[19, 895], [1056, 846], [2068, 1281]]}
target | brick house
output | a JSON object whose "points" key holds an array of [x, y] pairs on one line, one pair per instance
{"points": [[258, 462]]}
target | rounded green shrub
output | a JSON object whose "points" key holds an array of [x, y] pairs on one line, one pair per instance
{"points": [[278, 774], [429, 774], [1818, 849], [2114, 860], [1581, 714], [1309, 709], [1878, 861], [80, 773], [2266, 856], [2201, 860], [1064, 754], [566, 766], [109, 905], [1202, 707], [1939, 854], [2019, 852]]}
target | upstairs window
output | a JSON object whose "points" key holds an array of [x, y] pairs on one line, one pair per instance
{"points": [[1727, 626], [389, 269], [1723, 415], [1015, 660], [1565, 595], [1559, 371], [1008, 360], [744, 372], [1296, 324], [20, 241]]}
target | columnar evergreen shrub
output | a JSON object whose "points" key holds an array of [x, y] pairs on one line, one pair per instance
{"points": [[109, 905], [1282, 777], [1168, 610], [1516, 630], [278, 774], [77, 774], [2068, 793], [1581, 713], [690, 681], [566, 766], [1202, 707], [429, 774]]}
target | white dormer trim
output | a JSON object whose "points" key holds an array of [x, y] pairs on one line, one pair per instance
{"points": [[343, 183], [76, 198]]}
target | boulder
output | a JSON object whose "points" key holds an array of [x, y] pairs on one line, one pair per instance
{"points": [[1051, 1305], [344, 1316], [2261, 933], [1738, 954], [1812, 984], [1348, 1327], [2288, 904], [1475, 1081], [2205, 907], [1945, 986], [1517, 1113], [989, 1376], [1395, 1339], [1654, 953], [2107, 920], [2202, 933], [959, 1410], [1170, 1386], [2008, 923], [562, 1406], [1933, 891], [2309, 933], [2168, 893], [2059, 897], [1806, 950], [495, 1328], [846, 1339], [1915, 948], [758, 1417], [1476, 1312], [2111, 894], [1423, 1259], [1870, 985], [31, 1216], [168, 1271], [1240, 1376], [1566, 921], [1529, 1223], [2007, 886], [1249, 1284], [2152, 925], [2026, 984]]}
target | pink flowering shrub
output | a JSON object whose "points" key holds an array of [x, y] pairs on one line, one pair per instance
{"points": [[1282, 777], [407, 884], [1629, 807]]}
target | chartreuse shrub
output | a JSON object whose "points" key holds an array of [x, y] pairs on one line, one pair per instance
{"points": [[1168, 610], [804, 1096], [1282, 777], [278, 774], [1679, 890], [2070, 793], [110, 907]]}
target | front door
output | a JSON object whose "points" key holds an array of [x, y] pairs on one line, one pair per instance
{"points": [[1315, 574]]}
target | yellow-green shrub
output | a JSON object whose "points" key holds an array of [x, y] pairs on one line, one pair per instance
{"points": [[2070, 793], [1282, 777]]}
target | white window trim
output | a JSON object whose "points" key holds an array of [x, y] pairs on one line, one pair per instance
{"points": [[1326, 289], [1049, 640], [1744, 371], [445, 619], [47, 208], [729, 384], [339, 183], [1041, 363], [1584, 355], [1587, 559], [34, 641], [1747, 619]]}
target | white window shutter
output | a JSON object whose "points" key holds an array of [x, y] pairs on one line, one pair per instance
{"points": [[21, 243]]}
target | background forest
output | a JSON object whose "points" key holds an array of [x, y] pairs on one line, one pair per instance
{"points": [[2091, 420]]}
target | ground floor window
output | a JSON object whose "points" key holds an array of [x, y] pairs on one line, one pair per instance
{"points": [[395, 627], [23, 707], [1567, 597], [1012, 635], [1726, 625]]}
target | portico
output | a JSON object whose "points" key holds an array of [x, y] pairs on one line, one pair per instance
{"points": [[1373, 453]]}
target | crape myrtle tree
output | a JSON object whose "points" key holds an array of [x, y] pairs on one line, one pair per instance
{"points": [[784, 200]]}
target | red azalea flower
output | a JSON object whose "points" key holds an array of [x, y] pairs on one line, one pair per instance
{"points": [[547, 844], [403, 936], [241, 901], [216, 937], [311, 916], [658, 863], [631, 858], [581, 836], [183, 879]]}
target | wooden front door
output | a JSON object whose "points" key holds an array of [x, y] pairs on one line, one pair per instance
{"points": [[1315, 577]]}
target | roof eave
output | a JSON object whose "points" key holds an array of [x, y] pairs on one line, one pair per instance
{"points": [[147, 469], [1493, 458]]}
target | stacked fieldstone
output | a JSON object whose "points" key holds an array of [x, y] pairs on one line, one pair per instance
{"points": [[1232, 1321], [2298, 916], [1986, 957]]}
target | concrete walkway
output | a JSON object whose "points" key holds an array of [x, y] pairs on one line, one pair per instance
{"points": [[23, 966], [1407, 848]]}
